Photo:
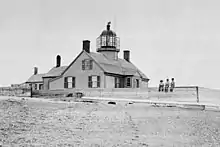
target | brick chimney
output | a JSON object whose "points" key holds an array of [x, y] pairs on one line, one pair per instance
{"points": [[127, 55], [35, 70], [58, 61], [86, 45]]}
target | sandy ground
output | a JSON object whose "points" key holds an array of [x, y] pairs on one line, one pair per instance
{"points": [[32, 123]]}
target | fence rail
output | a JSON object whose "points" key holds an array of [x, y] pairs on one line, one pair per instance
{"points": [[119, 92], [179, 92], [191, 87]]}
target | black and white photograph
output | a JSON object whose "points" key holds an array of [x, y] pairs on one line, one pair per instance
{"points": [[101, 73]]}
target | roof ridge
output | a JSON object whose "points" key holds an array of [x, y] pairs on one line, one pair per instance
{"points": [[104, 55], [39, 74]]}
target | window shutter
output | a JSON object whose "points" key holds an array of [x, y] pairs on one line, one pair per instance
{"points": [[83, 64], [65, 79], [116, 82], [65, 82], [40, 86], [90, 64], [128, 83], [73, 82], [137, 83], [90, 81], [98, 81]]}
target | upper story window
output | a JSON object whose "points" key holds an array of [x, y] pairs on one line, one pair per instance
{"points": [[87, 64], [69, 82], [94, 82]]}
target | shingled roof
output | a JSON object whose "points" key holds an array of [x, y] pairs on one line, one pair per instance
{"points": [[55, 71], [120, 66], [35, 78]]}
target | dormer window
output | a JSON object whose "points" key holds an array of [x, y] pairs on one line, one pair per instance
{"points": [[87, 64]]}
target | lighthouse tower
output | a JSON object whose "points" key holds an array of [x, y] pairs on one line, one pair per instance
{"points": [[108, 43]]}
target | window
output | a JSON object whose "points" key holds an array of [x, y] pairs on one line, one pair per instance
{"points": [[117, 82], [40, 86], [108, 41], [128, 82], [35, 86], [87, 64], [94, 82], [113, 41], [137, 83], [103, 42], [69, 82]]}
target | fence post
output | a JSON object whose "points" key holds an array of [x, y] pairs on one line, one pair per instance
{"points": [[197, 93]]}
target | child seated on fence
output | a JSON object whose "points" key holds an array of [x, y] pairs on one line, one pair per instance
{"points": [[161, 86], [172, 85], [167, 85]]}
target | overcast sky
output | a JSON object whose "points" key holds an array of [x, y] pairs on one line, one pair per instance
{"points": [[167, 38]]}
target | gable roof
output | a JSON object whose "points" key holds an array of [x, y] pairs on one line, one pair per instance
{"points": [[67, 67], [35, 78], [55, 71], [72, 62], [120, 66]]}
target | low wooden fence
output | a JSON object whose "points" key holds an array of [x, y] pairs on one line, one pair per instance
{"points": [[189, 92], [183, 92], [98, 92]]}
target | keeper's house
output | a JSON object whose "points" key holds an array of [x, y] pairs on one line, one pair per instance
{"points": [[100, 69]]}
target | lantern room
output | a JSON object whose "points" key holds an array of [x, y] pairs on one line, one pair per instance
{"points": [[108, 40]]}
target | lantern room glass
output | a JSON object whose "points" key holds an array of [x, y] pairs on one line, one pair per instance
{"points": [[107, 41]]}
